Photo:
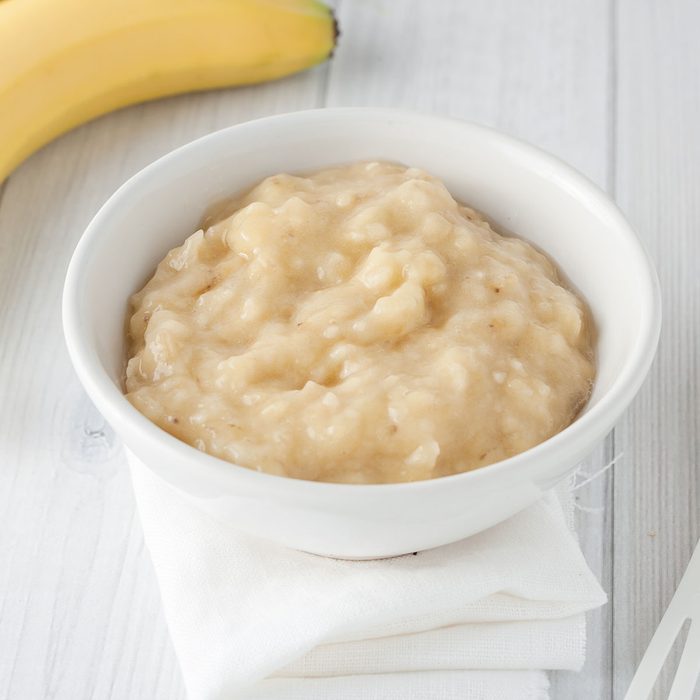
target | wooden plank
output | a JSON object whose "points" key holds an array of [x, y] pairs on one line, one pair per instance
{"points": [[657, 489], [542, 73], [538, 72], [80, 615]]}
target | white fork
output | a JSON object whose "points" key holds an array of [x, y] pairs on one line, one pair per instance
{"points": [[685, 605]]}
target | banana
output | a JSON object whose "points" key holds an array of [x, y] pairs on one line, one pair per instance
{"points": [[64, 62]]}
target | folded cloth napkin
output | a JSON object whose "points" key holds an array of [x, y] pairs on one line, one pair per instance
{"points": [[250, 619]]}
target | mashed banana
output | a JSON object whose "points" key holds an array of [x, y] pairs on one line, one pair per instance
{"points": [[358, 325]]}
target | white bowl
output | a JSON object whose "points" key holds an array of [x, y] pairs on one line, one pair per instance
{"points": [[519, 187]]}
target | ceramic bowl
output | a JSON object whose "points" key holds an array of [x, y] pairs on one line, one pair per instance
{"points": [[520, 188]]}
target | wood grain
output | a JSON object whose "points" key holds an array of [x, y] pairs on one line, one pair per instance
{"points": [[657, 488], [610, 86]]}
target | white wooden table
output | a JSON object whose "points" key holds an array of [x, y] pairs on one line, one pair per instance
{"points": [[611, 86]]}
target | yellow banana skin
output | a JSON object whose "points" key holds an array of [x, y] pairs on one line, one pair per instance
{"points": [[64, 62]]}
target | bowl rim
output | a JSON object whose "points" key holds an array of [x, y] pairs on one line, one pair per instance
{"points": [[124, 417]]}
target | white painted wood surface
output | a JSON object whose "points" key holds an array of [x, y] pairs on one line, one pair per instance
{"points": [[609, 85]]}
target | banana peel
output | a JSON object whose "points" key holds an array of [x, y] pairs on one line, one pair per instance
{"points": [[64, 62]]}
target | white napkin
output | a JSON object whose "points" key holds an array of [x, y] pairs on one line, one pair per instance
{"points": [[468, 620]]}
